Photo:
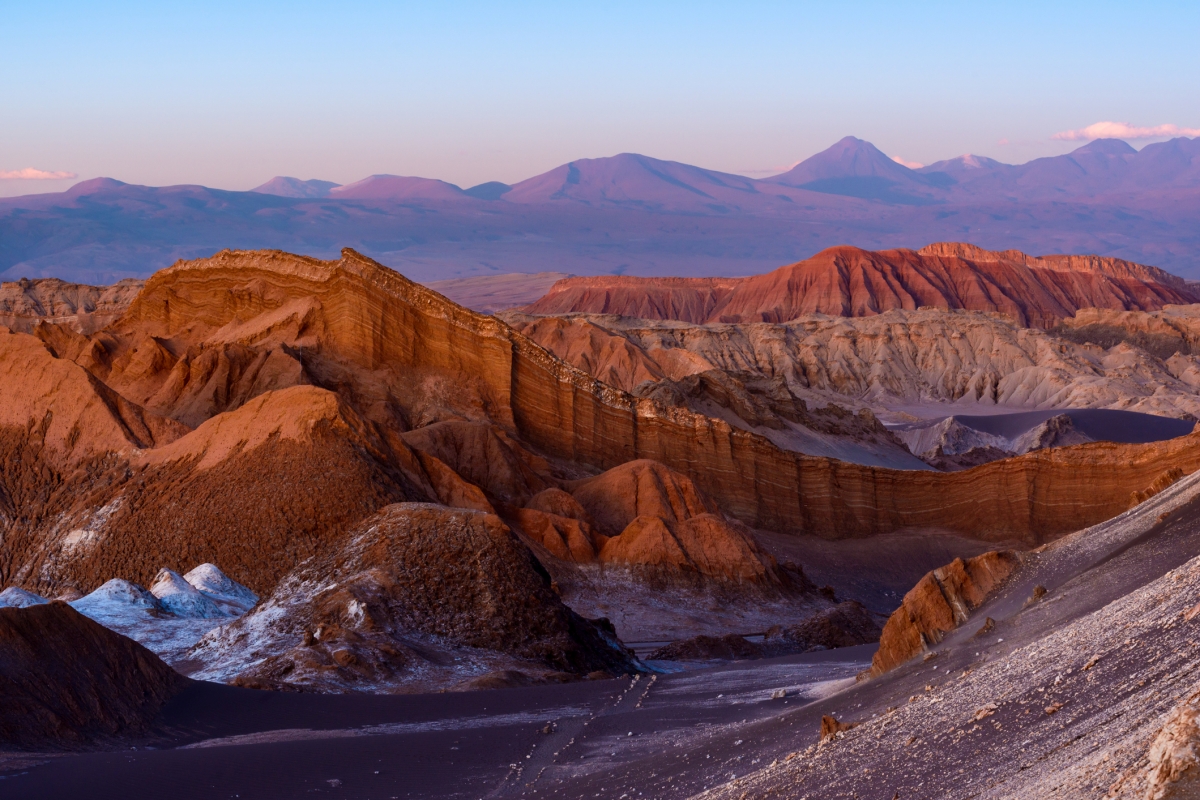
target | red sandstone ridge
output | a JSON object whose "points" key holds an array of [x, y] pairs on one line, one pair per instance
{"points": [[849, 282], [291, 398], [939, 603], [65, 680]]}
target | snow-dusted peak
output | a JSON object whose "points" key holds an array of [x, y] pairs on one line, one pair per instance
{"points": [[209, 579], [182, 599], [12, 597]]}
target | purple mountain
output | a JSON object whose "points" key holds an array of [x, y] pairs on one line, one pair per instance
{"points": [[294, 187], [395, 187], [635, 214], [856, 168], [636, 181]]}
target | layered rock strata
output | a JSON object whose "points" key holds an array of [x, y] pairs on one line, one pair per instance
{"points": [[940, 602], [850, 282], [205, 410]]}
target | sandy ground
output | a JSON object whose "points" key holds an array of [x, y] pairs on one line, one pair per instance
{"points": [[530, 742]]}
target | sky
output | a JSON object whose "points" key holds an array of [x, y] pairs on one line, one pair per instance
{"points": [[230, 94]]}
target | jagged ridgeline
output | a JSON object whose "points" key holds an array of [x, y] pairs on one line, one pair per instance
{"points": [[168, 434]]}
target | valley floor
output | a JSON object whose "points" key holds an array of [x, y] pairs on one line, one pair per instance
{"points": [[682, 732]]}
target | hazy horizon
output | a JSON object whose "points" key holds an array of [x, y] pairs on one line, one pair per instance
{"points": [[229, 97]]}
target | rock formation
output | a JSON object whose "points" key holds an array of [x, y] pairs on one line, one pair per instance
{"points": [[417, 594], [708, 648], [84, 309], [942, 601], [1167, 333], [849, 282], [895, 359], [1173, 770], [67, 681], [199, 414], [845, 625]]}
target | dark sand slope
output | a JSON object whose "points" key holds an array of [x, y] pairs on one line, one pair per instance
{"points": [[66, 681], [228, 741], [1063, 697], [1109, 649]]}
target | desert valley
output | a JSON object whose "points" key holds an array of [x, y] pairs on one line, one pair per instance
{"points": [[472, 401], [664, 535]]}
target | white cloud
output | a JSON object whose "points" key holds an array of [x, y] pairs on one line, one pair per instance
{"points": [[1123, 130], [909, 164], [31, 174]]}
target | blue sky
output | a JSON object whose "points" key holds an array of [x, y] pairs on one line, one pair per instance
{"points": [[230, 94]]}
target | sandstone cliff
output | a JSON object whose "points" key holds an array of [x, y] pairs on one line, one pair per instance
{"points": [[320, 392]]}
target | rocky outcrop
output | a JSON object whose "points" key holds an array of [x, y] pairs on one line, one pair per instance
{"points": [[400, 395], [417, 595], [845, 625], [1173, 771], [84, 309], [67, 681], [1167, 479], [894, 359], [849, 282], [942, 601], [655, 519], [708, 648], [1167, 333]]}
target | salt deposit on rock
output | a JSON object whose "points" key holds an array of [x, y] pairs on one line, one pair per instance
{"points": [[118, 599], [172, 616], [225, 591], [12, 597], [181, 598]]}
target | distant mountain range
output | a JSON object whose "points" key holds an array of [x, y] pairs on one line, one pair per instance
{"points": [[631, 214]]}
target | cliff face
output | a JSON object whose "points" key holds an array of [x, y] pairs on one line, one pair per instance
{"points": [[318, 392], [897, 359], [83, 308], [849, 282]]}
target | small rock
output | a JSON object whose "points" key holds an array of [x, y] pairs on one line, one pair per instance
{"points": [[831, 727], [1039, 592], [988, 625], [779, 694], [986, 711], [1053, 708]]}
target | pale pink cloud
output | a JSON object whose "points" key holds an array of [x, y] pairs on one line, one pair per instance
{"points": [[1123, 130], [909, 164], [31, 174]]}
